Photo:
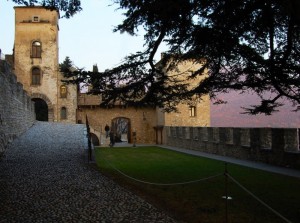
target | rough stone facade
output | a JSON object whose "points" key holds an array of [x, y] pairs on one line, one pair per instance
{"points": [[184, 118], [193, 112], [35, 61], [276, 146], [36, 50], [142, 121], [148, 123], [16, 108]]}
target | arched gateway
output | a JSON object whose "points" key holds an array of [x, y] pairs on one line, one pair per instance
{"points": [[43, 107], [95, 139], [121, 127]]}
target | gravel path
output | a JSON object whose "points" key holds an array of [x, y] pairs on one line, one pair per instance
{"points": [[44, 178]]}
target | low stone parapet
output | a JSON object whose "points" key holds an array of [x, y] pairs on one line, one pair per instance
{"points": [[276, 146]]}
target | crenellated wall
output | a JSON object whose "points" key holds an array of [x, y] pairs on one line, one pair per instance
{"points": [[16, 108], [275, 146]]}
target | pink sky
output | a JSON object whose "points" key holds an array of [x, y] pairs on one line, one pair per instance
{"points": [[229, 114]]}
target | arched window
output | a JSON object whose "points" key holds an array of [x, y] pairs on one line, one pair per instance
{"points": [[36, 51], [36, 76], [63, 113], [63, 91]]}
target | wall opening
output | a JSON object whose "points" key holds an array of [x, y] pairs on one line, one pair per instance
{"points": [[121, 127], [94, 139], [41, 109]]}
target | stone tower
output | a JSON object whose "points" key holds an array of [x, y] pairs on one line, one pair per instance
{"points": [[36, 64]]}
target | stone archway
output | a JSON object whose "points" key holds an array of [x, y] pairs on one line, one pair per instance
{"points": [[94, 139], [41, 109], [40, 97], [122, 128]]}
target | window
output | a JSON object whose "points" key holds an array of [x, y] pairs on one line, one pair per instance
{"points": [[192, 111], [63, 91], [35, 18], [36, 49], [36, 76], [63, 113]]}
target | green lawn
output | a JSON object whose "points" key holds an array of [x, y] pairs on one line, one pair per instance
{"points": [[201, 201]]}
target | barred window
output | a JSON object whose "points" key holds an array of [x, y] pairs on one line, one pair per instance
{"points": [[35, 76], [35, 18], [63, 113], [192, 111], [36, 51]]}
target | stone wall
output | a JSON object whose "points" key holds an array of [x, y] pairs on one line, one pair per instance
{"points": [[275, 146], [16, 108], [44, 31], [142, 120]]}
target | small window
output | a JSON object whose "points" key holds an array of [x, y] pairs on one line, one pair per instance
{"points": [[63, 113], [35, 18], [192, 111], [36, 49], [36, 76], [63, 91]]}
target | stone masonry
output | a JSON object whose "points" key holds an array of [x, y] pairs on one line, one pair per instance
{"points": [[16, 108], [41, 26], [275, 146]]}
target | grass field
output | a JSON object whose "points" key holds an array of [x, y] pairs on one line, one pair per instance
{"points": [[200, 201]]}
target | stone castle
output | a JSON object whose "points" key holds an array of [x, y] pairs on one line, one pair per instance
{"points": [[36, 64], [32, 89]]}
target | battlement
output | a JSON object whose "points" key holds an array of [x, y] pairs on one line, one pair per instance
{"points": [[275, 146]]}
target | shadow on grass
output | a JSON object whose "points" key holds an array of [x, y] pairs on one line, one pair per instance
{"points": [[201, 201]]}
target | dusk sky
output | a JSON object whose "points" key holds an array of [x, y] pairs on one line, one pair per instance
{"points": [[87, 38]]}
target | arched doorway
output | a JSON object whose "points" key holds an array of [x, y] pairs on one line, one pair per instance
{"points": [[38, 96], [41, 109], [121, 127], [94, 139]]}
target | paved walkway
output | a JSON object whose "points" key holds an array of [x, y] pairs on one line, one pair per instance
{"points": [[44, 178]]}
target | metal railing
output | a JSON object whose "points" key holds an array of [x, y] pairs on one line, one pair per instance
{"points": [[89, 139]]}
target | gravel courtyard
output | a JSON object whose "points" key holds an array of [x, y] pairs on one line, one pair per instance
{"points": [[44, 177]]}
